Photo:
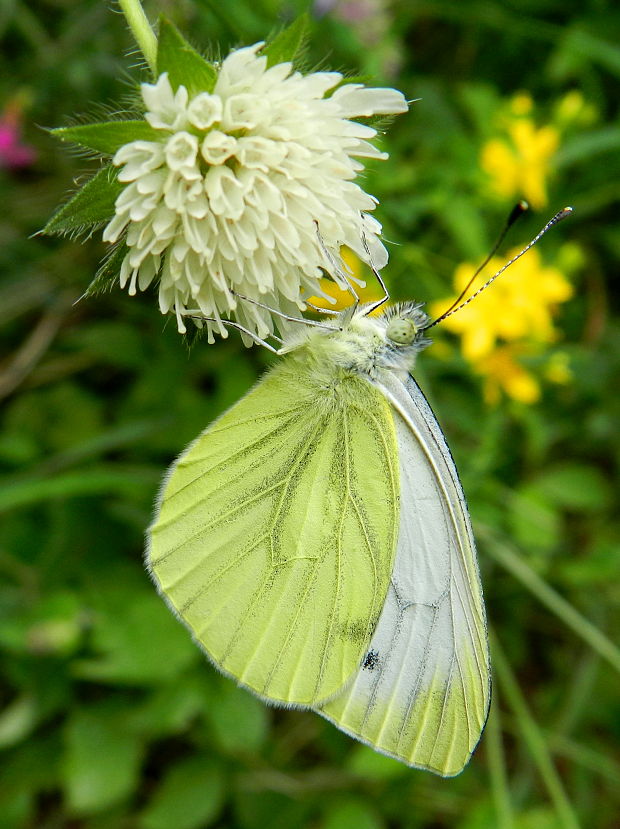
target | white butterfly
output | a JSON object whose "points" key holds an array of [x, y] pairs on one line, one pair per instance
{"points": [[316, 541]]}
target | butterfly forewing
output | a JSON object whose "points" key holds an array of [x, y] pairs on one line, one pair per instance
{"points": [[422, 693], [276, 530]]}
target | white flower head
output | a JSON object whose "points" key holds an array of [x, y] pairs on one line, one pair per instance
{"points": [[229, 199]]}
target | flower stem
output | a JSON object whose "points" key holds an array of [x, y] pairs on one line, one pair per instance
{"points": [[141, 28]]}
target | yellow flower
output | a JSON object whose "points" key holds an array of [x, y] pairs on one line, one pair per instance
{"points": [[518, 162], [502, 372], [355, 267], [518, 307], [513, 317]]}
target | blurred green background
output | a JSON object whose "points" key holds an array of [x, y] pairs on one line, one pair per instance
{"points": [[110, 718]]}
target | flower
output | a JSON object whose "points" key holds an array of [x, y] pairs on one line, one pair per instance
{"points": [[519, 306], [511, 318], [518, 163], [245, 188], [502, 372], [14, 155]]}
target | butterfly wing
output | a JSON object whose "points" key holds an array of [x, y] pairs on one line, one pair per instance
{"points": [[274, 535], [422, 693]]}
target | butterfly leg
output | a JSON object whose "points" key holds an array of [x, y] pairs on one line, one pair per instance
{"points": [[282, 315], [336, 269], [238, 327], [386, 294]]}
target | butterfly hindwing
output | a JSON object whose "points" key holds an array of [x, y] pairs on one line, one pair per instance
{"points": [[275, 533], [422, 693]]}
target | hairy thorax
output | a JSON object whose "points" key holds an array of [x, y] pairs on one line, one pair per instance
{"points": [[360, 347]]}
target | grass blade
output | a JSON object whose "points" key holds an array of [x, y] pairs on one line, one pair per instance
{"points": [[533, 737], [497, 769], [565, 611]]}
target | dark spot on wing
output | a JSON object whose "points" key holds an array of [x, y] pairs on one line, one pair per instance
{"points": [[355, 631], [359, 630], [371, 661]]}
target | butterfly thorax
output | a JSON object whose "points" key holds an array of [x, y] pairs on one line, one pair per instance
{"points": [[367, 345]]}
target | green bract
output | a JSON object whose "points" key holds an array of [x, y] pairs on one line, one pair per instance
{"points": [[92, 205]]}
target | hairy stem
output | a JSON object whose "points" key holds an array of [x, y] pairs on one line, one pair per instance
{"points": [[141, 29]]}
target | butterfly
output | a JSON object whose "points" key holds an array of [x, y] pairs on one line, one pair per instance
{"points": [[316, 541]]}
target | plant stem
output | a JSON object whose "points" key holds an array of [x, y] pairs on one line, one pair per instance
{"points": [[497, 769], [141, 29], [515, 565], [533, 737]]}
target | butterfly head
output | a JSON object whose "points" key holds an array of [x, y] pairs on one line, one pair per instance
{"points": [[405, 325]]}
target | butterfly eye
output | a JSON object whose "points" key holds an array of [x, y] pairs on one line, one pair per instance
{"points": [[401, 331]]}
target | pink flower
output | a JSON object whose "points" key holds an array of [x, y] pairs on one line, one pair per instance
{"points": [[13, 153]]}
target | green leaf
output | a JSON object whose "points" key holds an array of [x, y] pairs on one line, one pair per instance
{"points": [[533, 738], [137, 638], [182, 62], [239, 720], [102, 760], [53, 626], [365, 762], [583, 148], [538, 587], [575, 487], [189, 797], [97, 480], [288, 44], [257, 808], [174, 707], [351, 813], [535, 522], [116, 343], [597, 49], [91, 205], [17, 720], [107, 137], [108, 272]]}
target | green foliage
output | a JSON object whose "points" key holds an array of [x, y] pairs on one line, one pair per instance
{"points": [[198, 785], [101, 761], [108, 270], [182, 62], [287, 44], [93, 204], [110, 717], [106, 137]]}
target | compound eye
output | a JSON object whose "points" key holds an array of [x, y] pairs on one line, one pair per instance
{"points": [[401, 331]]}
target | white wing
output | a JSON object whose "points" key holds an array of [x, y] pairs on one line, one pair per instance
{"points": [[422, 693]]}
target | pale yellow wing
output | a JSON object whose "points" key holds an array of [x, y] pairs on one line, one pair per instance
{"points": [[275, 533]]}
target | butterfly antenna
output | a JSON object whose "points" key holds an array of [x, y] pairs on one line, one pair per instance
{"points": [[386, 294], [518, 211]]}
